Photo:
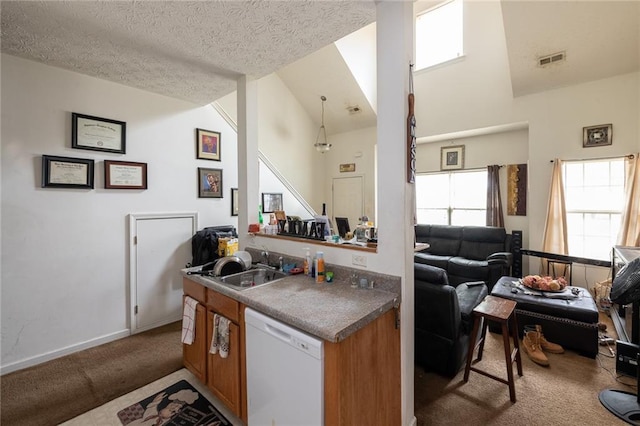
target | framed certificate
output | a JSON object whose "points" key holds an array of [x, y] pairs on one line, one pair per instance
{"points": [[67, 172], [125, 175], [98, 134]]}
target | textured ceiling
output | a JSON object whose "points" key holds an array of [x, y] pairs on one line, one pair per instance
{"points": [[191, 50], [195, 50]]}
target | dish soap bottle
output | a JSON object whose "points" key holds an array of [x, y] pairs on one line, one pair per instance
{"points": [[320, 267]]}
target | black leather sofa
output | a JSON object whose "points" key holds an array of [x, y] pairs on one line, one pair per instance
{"points": [[467, 253], [443, 319]]}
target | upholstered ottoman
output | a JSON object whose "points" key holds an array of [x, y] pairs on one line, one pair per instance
{"points": [[570, 323]]}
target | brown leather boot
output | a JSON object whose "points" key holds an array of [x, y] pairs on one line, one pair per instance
{"points": [[531, 345], [546, 345]]}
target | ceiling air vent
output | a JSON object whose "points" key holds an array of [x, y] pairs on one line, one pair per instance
{"points": [[543, 61]]}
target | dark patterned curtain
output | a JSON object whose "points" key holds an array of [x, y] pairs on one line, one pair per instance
{"points": [[494, 201]]}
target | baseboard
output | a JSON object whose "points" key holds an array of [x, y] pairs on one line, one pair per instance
{"points": [[39, 359]]}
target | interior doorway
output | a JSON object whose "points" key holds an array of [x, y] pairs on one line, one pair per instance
{"points": [[348, 199]]}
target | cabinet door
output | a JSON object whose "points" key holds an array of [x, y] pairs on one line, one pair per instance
{"points": [[223, 374], [193, 355]]}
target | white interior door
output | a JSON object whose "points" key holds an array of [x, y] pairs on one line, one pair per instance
{"points": [[348, 199], [160, 247]]}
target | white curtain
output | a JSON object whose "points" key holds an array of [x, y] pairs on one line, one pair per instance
{"points": [[555, 229], [629, 234]]}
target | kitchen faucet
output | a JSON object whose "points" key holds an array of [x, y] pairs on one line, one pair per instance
{"points": [[265, 257]]}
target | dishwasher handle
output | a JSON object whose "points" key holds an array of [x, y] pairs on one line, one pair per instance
{"points": [[276, 332]]}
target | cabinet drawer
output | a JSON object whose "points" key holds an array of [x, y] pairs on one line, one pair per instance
{"points": [[194, 290], [223, 305]]}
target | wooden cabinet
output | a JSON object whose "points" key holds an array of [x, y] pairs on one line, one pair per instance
{"points": [[362, 373], [224, 375], [362, 376], [193, 355]]}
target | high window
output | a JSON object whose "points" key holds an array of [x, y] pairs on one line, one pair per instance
{"points": [[594, 198], [452, 198], [439, 34]]}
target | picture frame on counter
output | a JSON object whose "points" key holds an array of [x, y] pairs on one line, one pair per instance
{"points": [[98, 134], [208, 145], [67, 172], [271, 202], [209, 183], [235, 208], [125, 175]]}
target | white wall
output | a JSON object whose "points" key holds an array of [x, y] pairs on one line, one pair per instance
{"points": [[283, 124], [353, 147], [64, 252]]}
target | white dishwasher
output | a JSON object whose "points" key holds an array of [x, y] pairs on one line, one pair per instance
{"points": [[285, 374]]}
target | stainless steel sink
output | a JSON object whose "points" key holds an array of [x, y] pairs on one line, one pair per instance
{"points": [[251, 278]]}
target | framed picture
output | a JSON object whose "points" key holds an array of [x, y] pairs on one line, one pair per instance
{"points": [[271, 202], [452, 157], [234, 202], [350, 167], [208, 144], [125, 175], [209, 183], [67, 172], [98, 134], [597, 135]]}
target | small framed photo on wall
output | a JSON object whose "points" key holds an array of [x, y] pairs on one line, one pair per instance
{"points": [[209, 183], [452, 157], [271, 202], [208, 145], [600, 135], [234, 202]]}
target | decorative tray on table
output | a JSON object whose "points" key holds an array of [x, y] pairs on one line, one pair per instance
{"points": [[538, 283]]}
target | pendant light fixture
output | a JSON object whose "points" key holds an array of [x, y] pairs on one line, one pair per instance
{"points": [[321, 140]]}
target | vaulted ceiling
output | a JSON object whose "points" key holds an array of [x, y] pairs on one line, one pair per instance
{"points": [[195, 50]]}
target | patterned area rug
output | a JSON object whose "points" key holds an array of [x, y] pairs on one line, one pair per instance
{"points": [[178, 404]]}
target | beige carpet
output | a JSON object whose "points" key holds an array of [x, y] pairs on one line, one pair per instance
{"points": [[565, 393], [58, 390]]}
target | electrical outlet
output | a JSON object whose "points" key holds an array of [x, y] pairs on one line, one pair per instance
{"points": [[359, 259]]}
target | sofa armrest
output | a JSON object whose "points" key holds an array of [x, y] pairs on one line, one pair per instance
{"points": [[437, 310], [504, 258]]}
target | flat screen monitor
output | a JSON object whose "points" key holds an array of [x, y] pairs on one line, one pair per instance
{"points": [[342, 223]]}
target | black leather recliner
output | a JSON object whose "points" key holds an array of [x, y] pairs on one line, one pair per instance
{"points": [[443, 319]]}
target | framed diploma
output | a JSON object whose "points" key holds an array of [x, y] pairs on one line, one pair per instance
{"points": [[67, 172], [125, 175], [97, 134]]}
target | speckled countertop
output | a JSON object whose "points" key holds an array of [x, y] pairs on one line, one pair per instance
{"points": [[330, 311]]}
